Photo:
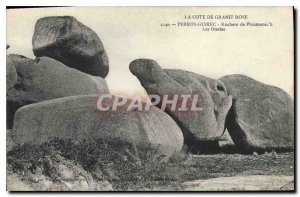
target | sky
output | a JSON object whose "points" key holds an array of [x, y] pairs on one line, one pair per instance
{"points": [[128, 33]]}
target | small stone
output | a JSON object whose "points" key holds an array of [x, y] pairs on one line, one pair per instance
{"points": [[65, 172], [274, 154]]}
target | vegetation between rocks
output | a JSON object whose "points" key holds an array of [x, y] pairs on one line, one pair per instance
{"points": [[127, 167]]}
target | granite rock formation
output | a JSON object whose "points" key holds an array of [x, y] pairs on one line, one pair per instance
{"points": [[67, 40]]}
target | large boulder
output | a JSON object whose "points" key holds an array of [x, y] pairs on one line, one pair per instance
{"points": [[42, 79], [262, 116], [199, 127], [70, 42], [78, 118]]}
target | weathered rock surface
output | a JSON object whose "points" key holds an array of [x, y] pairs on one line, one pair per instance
{"points": [[76, 117], [11, 73], [242, 183], [262, 116], [197, 126], [72, 43], [226, 142], [43, 79]]}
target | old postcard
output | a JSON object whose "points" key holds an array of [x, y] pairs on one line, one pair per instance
{"points": [[150, 99]]}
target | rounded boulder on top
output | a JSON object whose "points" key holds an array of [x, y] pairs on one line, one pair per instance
{"points": [[67, 40]]}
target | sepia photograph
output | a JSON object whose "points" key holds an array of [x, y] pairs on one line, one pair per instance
{"points": [[150, 99]]}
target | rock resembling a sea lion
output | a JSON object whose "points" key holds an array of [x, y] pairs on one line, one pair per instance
{"points": [[198, 127]]}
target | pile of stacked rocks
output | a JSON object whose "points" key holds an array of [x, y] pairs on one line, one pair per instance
{"points": [[54, 96]]}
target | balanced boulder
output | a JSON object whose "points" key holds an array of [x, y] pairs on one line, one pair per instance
{"points": [[199, 127], [43, 79], [78, 117], [262, 116], [72, 43]]}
